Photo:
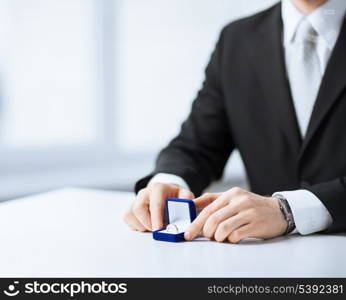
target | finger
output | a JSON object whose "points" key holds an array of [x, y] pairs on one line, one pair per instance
{"points": [[206, 199], [132, 222], [196, 226], [158, 196], [226, 227], [241, 233], [185, 194], [140, 209], [217, 218]]}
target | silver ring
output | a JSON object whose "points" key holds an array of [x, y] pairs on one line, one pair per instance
{"points": [[172, 228]]}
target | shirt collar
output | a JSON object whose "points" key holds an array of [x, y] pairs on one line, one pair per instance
{"points": [[326, 20]]}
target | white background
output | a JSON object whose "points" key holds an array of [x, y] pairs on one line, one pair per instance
{"points": [[90, 90]]}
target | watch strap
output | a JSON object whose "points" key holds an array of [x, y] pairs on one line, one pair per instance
{"points": [[287, 213]]}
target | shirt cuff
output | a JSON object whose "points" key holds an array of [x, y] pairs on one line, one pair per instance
{"points": [[309, 213], [169, 179]]}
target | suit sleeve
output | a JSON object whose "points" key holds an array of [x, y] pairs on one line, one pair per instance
{"points": [[200, 151], [333, 196]]}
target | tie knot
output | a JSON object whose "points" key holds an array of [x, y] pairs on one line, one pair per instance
{"points": [[306, 33]]}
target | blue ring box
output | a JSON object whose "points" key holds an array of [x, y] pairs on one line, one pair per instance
{"points": [[179, 213]]}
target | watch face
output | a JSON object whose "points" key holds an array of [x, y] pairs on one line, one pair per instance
{"points": [[291, 224]]}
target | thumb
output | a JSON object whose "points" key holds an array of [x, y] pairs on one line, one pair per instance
{"points": [[205, 199]]}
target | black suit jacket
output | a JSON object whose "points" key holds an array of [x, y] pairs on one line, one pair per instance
{"points": [[245, 103]]}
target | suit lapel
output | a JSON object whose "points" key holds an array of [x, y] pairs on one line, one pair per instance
{"points": [[333, 83], [270, 64]]}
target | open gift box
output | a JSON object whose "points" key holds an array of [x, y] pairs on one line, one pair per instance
{"points": [[179, 215]]}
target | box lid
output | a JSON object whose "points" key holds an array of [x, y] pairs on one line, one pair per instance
{"points": [[180, 213]]}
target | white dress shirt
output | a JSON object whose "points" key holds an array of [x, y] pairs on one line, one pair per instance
{"points": [[309, 213]]}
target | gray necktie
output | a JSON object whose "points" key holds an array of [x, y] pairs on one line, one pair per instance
{"points": [[306, 73]]}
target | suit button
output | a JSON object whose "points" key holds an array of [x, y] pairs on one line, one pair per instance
{"points": [[304, 184]]}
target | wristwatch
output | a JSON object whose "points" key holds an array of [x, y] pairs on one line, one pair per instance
{"points": [[287, 212]]}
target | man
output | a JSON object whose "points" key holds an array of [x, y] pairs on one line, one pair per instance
{"points": [[275, 89]]}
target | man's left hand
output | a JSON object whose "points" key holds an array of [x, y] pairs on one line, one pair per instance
{"points": [[235, 215]]}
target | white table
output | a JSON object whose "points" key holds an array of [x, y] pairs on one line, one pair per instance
{"points": [[80, 233]]}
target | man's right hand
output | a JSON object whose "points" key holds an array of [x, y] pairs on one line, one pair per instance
{"points": [[147, 212]]}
